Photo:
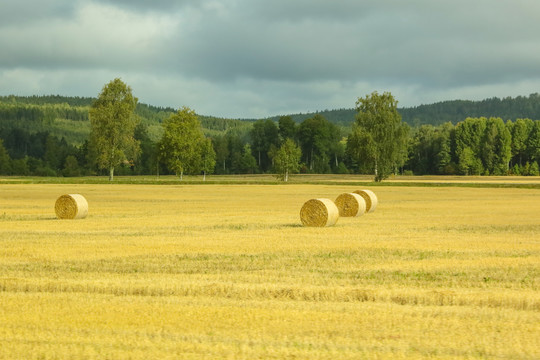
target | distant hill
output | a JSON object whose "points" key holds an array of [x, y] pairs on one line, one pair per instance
{"points": [[458, 110], [452, 111], [68, 116]]}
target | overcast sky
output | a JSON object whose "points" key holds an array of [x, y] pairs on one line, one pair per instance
{"points": [[258, 58]]}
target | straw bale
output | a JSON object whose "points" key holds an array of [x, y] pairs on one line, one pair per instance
{"points": [[350, 205], [71, 206], [319, 213], [370, 198]]}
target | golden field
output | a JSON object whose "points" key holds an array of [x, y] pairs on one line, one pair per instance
{"points": [[227, 272]]}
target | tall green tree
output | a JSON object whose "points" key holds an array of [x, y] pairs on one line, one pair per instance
{"points": [[496, 147], [444, 149], [468, 138], [533, 143], [520, 131], [113, 124], [379, 137], [180, 146], [208, 157], [287, 160]]}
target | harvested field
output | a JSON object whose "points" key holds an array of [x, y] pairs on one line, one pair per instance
{"points": [[228, 271]]}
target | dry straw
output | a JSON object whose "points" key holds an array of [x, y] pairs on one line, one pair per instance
{"points": [[350, 205], [71, 206], [370, 198], [319, 213]]}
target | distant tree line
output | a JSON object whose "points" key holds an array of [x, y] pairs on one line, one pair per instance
{"points": [[474, 146], [454, 111]]}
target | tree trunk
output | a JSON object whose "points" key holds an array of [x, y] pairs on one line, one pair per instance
{"points": [[204, 176], [377, 179], [286, 175], [181, 175], [111, 174]]}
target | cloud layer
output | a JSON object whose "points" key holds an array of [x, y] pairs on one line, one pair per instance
{"points": [[255, 58]]}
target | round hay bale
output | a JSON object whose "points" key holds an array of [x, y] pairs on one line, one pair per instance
{"points": [[71, 206], [370, 198], [350, 205], [319, 213]]}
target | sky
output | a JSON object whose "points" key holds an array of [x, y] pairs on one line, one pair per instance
{"points": [[260, 58]]}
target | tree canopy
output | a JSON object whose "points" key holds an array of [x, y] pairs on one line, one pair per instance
{"points": [[379, 137], [183, 147], [113, 124]]}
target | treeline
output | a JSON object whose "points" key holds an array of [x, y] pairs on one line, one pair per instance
{"points": [[48, 136], [239, 150], [452, 111], [476, 146], [457, 110]]}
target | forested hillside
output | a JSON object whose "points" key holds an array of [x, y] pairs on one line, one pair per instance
{"points": [[521, 107], [452, 111]]}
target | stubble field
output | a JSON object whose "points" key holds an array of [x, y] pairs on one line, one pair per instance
{"points": [[227, 271]]}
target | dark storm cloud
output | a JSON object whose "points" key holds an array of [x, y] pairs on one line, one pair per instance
{"points": [[254, 57]]}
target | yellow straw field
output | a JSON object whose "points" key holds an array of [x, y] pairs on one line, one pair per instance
{"points": [[229, 272]]}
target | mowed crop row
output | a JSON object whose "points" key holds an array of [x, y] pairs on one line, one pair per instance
{"points": [[228, 271]]}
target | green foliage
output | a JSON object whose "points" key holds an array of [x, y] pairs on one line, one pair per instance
{"points": [[20, 166], [318, 141], [287, 128], [533, 143], [5, 160], [246, 164], [520, 131], [264, 135], [287, 160], [379, 137], [46, 130], [534, 169], [208, 157], [113, 125], [71, 167], [180, 146], [458, 110]]}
